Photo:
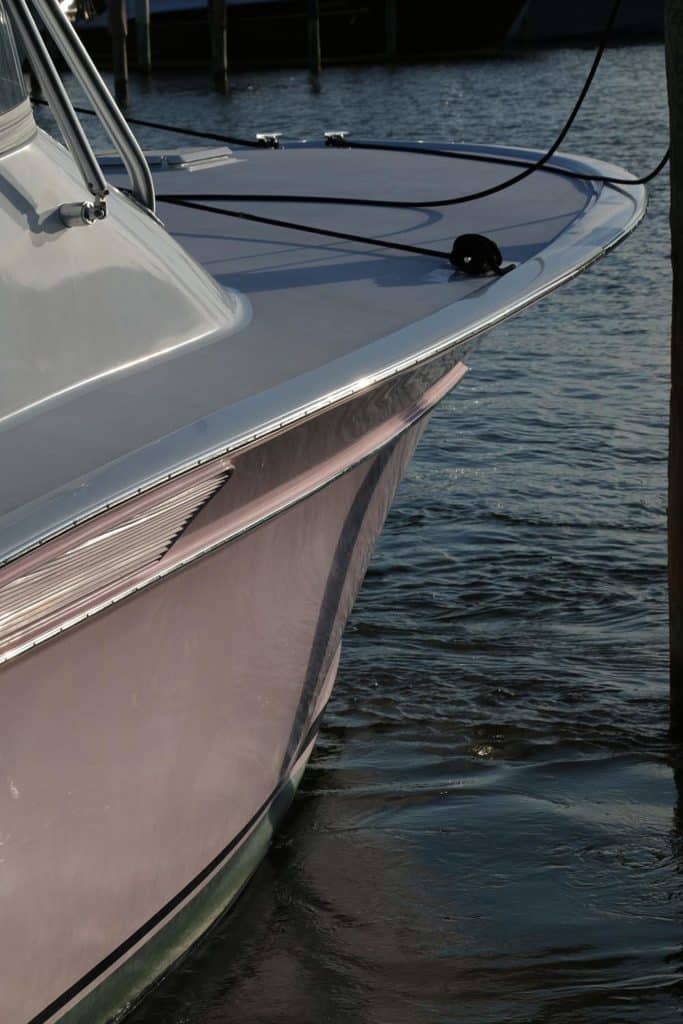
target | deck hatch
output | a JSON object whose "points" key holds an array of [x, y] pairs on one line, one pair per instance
{"points": [[47, 586]]}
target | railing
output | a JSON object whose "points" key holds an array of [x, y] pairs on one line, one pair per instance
{"points": [[83, 69], [55, 93]]}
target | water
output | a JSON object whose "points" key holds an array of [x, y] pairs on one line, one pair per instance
{"points": [[489, 830]]}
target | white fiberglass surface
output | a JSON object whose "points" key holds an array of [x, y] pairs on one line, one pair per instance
{"points": [[12, 90], [214, 398], [81, 306]]}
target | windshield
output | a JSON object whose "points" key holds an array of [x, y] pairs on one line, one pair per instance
{"points": [[12, 89]]}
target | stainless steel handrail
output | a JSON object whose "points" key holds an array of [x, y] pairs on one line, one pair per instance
{"points": [[55, 93], [113, 121]]}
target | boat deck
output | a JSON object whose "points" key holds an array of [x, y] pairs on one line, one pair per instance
{"points": [[325, 317], [333, 312]]}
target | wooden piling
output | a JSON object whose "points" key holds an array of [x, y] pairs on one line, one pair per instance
{"points": [[219, 44], [674, 70], [314, 52], [391, 30], [143, 41], [118, 26]]}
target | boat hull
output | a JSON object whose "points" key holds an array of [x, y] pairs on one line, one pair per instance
{"points": [[151, 746]]}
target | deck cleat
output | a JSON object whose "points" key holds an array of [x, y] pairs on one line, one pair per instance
{"points": [[336, 139], [270, 140]]}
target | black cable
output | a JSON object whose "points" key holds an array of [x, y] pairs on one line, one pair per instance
{"points": [[383, 146], [529, 167], [538, 164], [451, 201], [346, 236], [194, 202], [601, 179], [197, 201], [396, 204], [215, 136], [386, 147]]}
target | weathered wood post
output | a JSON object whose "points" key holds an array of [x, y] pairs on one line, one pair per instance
{"points": [[314, 54], [218, 24], [118, 26], [674, 72], [143, 42], [391, 29]]}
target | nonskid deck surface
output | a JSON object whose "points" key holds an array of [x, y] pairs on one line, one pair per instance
{"points": [[315, 301], [324, 317], [355, 293]]}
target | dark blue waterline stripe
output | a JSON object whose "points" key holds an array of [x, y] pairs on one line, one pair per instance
{"points": [[152, 922]]}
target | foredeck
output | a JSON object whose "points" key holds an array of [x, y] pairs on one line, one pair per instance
{"points": [[328, 317]]}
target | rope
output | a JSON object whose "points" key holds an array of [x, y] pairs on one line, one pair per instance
{"points": [[473, 257], [473, 254], [214, 136], [601, 179], [396, 204], [468, 259], [528, 168]]}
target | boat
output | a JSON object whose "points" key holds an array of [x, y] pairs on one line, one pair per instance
{"points": [[542, 21], [206, 407], [274, 33]]}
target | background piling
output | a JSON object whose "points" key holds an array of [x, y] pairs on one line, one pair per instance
{"points": [[391, 30], [218, 24], [314, 52], [118, 26], [674, 69], [143, 42]]}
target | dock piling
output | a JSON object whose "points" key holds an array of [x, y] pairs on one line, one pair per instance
{"points": [[314, 53], [143, 40], [118, 26], [391, 30], [674, 71], [219, 44]]}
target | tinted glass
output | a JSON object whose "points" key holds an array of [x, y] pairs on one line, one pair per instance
{"points": [[11, 80]]}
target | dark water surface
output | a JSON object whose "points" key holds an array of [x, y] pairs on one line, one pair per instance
{"points": [[489, 830]]}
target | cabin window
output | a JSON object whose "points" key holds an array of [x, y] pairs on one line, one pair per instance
{"points": [[12, 90]]}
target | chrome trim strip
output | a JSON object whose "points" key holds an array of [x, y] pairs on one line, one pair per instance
{"points": [[47, 586], [167, 568]]}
